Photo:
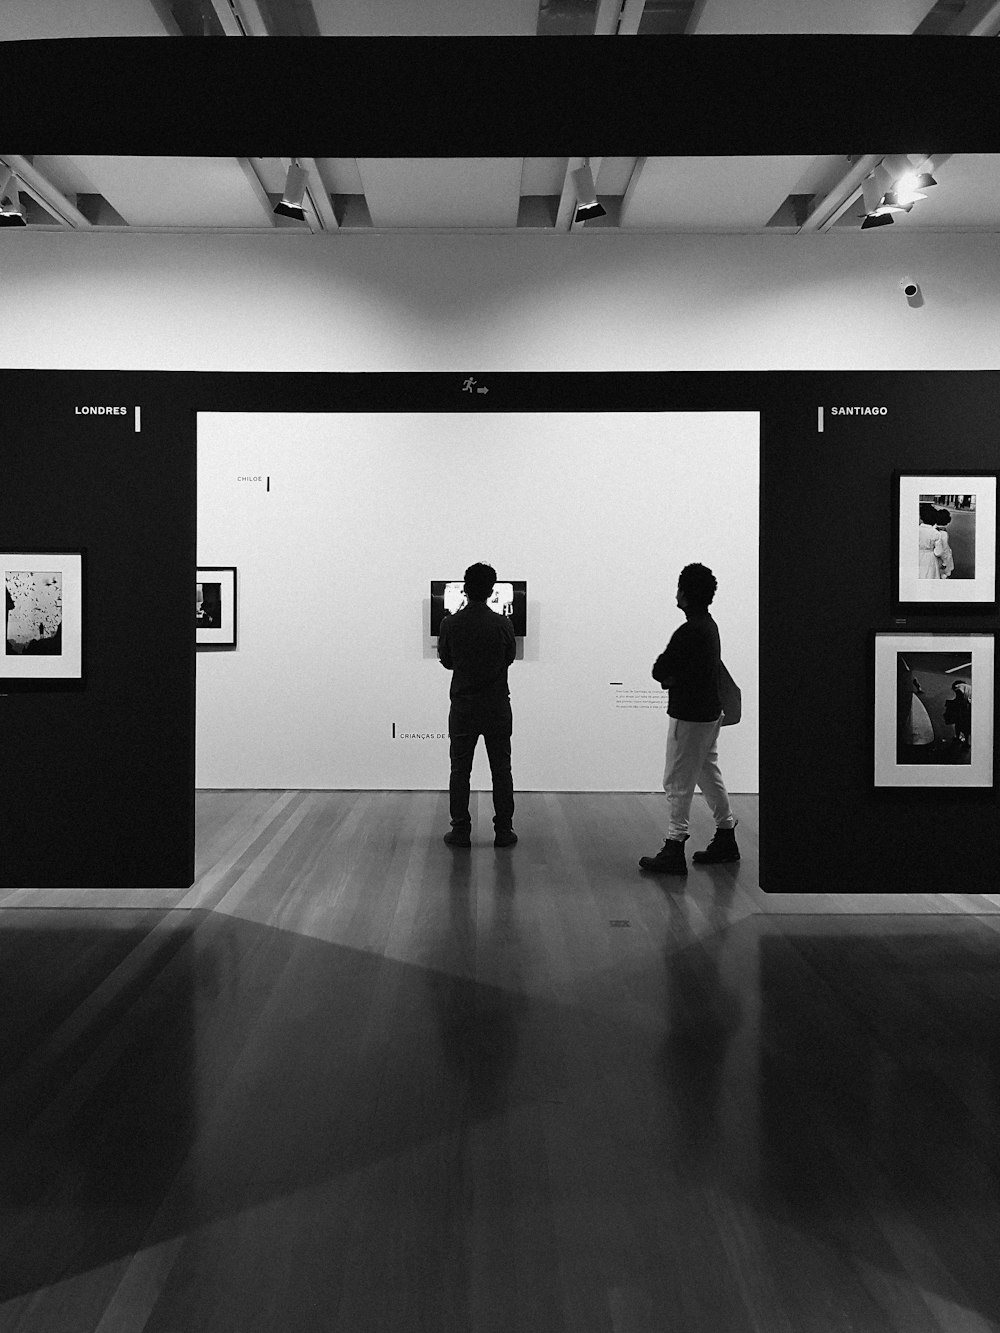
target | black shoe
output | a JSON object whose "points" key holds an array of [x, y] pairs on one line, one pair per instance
{"points": [[669, 860], [505, 838], [721, 848], [458, 838]]}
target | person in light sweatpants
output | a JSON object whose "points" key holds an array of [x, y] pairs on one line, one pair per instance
{"points": [[690, 668]]}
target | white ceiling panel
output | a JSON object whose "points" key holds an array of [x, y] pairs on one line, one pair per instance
{"points": [[427, 18], [442, 192], [40, 19], [967, 194], [864, 17], [177, 191], [709, 193]]}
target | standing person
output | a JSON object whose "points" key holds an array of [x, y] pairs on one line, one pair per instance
{"points": [[690, 668], [478, 646], [946, 560], [930, 543]]}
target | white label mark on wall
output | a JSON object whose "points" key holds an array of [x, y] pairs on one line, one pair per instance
{"points": [[819, 424], [138, 420]]}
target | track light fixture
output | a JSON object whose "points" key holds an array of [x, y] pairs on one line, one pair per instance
{"points": [[587, 206], [295, 189], [893, 187], [10, 203]]}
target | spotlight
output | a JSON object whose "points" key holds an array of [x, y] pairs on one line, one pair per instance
{"points": [[587, 206], [10, 204], [295, 188], [875, 214], [897, 165]]}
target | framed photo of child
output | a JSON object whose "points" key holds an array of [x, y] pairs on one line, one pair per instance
{"points": [[946, 542]]}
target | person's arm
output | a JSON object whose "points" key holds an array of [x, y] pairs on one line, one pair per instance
{"points": [[509, 642], [666, 665], [444, 647]]}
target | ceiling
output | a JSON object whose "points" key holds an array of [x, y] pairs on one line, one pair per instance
{"points": [[792, 194]]}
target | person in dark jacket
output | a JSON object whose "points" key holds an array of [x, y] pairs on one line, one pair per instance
{"points": [[477, 646], [690, 667]]}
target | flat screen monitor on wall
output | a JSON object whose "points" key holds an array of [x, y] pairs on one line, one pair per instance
{"points": [[509, 599]]}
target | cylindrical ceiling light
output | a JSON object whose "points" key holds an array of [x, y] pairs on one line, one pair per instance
{"points": [[587, 206], [295, 189]]}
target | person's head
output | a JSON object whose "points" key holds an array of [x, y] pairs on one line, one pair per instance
{"points": [[696, 587], [943, 518], [927, 513], [479, 581]]}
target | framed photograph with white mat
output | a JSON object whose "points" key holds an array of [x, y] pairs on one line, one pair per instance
{"points": [[946, 542], [934, 710], [43, 620]]}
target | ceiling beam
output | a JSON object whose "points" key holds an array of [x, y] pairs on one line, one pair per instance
{"points": [[252, 172], [979, 18], [48, 195], [832, 204], [606, 22], [230, 24], [318, 195], [631, 17], [630, 190]]}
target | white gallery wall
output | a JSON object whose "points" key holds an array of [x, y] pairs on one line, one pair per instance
{"points": [[598, 301], [337, 524]]}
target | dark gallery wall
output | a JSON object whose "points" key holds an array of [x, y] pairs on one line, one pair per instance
{"points": [[96, 783], [96, 787], [827, 568]]}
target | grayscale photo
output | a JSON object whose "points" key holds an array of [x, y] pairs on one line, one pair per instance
{"points": [[34, 613], [934, 708], [208, 605], [946, 536]]}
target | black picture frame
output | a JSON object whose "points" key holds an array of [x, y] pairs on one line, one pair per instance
{"points": [[913, 594], [937, 770], [48, 672], [216, 615]]}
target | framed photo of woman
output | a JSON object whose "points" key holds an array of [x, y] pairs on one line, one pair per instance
{"points": [[934, 710], [946, 542]]}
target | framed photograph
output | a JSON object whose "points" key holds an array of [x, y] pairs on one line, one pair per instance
{"points": [[509, 599], [215, 605], [934, 710], [946, 541], [43, 620]]}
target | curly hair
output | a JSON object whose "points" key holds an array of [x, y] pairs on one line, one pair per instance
{"points": [[698, 584], [479, 581]]}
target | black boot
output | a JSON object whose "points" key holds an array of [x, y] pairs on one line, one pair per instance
{"points": [[721, 848], [669, 860]]}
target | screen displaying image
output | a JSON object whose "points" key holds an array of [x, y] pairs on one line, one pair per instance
{"points": [[34, 613], [933, 708], [509, 599], [946, 536]]}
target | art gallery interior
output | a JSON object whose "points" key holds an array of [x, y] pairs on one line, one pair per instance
{"points": [[276, 1057]]}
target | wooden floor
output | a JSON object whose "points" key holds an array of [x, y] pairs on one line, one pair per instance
{"points": [[357, 1081]]}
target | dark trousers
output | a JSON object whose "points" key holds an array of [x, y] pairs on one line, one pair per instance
{"points": [[463, 747]]}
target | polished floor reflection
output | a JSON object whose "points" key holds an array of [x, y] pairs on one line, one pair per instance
{"points": [[355, 1080]]}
